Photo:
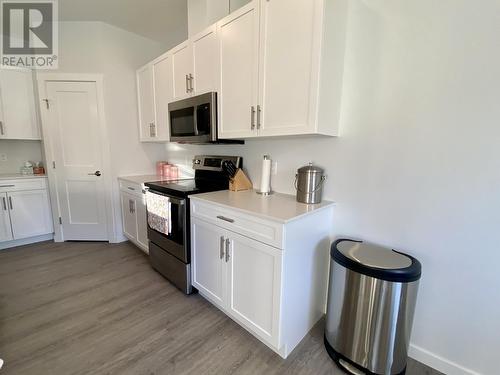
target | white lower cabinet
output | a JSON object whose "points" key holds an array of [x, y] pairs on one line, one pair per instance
{"points": [[134, 215], [24, 209], [276, 293], [240, 275], [254, 274], [29, 213]]}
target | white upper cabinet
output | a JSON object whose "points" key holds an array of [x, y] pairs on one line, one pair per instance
{"points": [[18, 116], [145, 95], [287, 85], [205, 61], [238, 36], [163, 85], [182, 60], [300, 68]]}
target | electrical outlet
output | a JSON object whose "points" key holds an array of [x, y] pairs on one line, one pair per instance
{"points": [[274, 168], [3, 157]]}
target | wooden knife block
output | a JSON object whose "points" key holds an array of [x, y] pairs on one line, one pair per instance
{"points": [[240, 182]]}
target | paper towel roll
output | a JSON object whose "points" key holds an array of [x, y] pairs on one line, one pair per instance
{"points": [[265, 179]]}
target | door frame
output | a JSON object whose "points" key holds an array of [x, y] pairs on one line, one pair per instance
{"points": [[98, 79]]}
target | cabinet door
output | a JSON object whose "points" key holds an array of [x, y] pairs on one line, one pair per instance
{"points": [[289, 38], [238, 36], [129, 216], [18, 105], [205, 61], [5, 227], [145, 95], [30, 213], [254, 273], [163, 94], [182, 60], [142, 224], [207, 245]]}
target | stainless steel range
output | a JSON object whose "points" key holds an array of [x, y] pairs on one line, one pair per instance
{"points": [[168, 217]]}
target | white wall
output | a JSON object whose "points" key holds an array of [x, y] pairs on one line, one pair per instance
{"points": [[17, 153], [417, 166], [95, 47]]}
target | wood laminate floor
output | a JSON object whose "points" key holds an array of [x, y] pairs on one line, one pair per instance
{"points": [[95, 308]]}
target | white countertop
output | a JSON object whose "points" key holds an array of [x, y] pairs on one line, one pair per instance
{"points": [[18, 176], [277, 206], [141, 179]]}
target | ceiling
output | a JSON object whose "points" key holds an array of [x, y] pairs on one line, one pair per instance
{"points": [[164, 21]]}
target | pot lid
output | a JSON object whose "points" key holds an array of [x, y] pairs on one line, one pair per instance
{"points": [[310, 169]]}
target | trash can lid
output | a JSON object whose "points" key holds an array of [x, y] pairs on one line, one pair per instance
{"points": [[376, 261]]}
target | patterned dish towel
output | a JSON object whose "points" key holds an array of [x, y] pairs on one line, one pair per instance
{"points": [[158, 207]]}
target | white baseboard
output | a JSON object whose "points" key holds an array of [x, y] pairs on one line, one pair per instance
{"points": [[441, 364], [26, 241]]}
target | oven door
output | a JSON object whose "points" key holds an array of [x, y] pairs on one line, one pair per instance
{"points": [[194, 120], [167, 224]]}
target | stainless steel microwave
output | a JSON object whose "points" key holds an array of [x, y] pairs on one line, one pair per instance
{"points": [[194, 120]]}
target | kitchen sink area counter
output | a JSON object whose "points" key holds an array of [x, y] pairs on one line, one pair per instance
{"points": [[278, 207]]}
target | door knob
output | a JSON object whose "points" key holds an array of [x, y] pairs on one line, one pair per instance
{"points": [[96, 173]]}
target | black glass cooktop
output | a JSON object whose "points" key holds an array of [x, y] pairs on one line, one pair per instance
{"points": [[183, 188]]}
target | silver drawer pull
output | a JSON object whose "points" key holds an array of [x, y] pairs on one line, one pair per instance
{"points": [[130, 188], [225, 219], [6, 186], [5, 205]]}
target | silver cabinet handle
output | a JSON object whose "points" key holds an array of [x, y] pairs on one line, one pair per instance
{"points": [[130, 188], [258, 116], [252, 116], [225, 219], [131, 206], [228, 242], [10, 202], [2, 131], [222, 241], [191, 86], [152, 129], [5, 205], [187, 83], [6, 186]]}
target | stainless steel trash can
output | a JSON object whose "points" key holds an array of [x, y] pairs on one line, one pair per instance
{"points": [[371, 302]]}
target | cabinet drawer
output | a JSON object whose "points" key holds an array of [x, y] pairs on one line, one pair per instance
{"points": [[130, 187], [259, 229], [20, 185]]}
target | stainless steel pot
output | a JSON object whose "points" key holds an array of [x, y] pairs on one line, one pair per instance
{"points": [[309, 184]]}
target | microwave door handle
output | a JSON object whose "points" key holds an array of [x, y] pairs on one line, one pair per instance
{"points": [[195, 119]]}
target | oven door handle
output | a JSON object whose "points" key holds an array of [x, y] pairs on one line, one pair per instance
{"points": [[174, 200]]}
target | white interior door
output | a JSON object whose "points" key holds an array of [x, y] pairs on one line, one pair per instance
{"points": [[75, 126], [29, 213], [19, 120], [5, 227], [238, 53]]}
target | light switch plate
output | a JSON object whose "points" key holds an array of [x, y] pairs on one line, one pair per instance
{"points": [[3, 157]]}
